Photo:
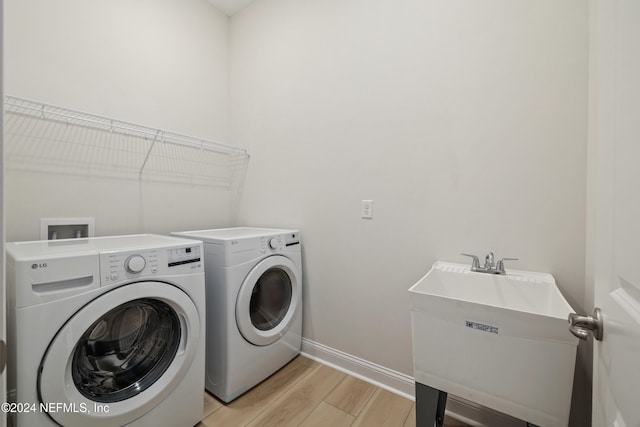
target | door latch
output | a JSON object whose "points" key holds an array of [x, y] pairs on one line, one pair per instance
{"points": [[3, 355], [580, 325]]}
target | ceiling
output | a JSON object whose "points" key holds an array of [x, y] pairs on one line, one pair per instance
{"points": [[230, 7]]}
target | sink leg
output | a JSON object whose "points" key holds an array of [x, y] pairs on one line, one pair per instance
{"points": [[430, 404]]}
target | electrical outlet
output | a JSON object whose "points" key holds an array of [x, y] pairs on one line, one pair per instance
{"points": [[366, 209]]}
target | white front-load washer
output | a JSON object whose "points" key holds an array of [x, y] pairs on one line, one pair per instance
{"points": [[254, 305], [106, 331]]}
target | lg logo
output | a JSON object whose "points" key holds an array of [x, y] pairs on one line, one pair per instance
{"points": [[42, 265]]}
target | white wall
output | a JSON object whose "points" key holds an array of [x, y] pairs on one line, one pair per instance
{"points": [[464, 121], [160, 63]]}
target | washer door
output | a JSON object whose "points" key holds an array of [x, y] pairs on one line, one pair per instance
{"points": [[268, 300], [119, 356]]}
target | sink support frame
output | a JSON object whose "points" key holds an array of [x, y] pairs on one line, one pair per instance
{"points": [[430, 405]]}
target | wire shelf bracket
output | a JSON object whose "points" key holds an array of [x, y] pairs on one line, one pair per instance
{"points": [[146, 158]]}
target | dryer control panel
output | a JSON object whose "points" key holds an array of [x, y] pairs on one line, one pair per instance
{"points": [[278, 242]]}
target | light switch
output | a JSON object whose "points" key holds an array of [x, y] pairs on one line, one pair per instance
{"points": [[367, 209]]}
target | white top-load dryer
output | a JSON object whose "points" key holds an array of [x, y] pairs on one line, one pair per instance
{"points": [[106, 331], [254, 305]]}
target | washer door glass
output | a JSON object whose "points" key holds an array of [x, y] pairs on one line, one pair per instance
{"points": [[126, 350], [270, 299], [123, 352]]}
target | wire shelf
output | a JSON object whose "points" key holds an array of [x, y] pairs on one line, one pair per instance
{"points": [[47, 138]]}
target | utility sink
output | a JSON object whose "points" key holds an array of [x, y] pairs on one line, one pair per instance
{"points": [[501, 341]]}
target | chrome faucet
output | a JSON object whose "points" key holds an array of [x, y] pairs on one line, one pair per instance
{"points": [[488, 261], [490, 266]]}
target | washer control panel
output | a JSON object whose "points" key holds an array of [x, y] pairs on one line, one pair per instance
{"points": [[117, 266], [135, 264], [181, 256]]}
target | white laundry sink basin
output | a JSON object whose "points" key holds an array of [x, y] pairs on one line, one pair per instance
{"points": [[498, 340]]}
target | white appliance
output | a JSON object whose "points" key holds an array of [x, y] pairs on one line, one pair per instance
{"points": [[106, 331], [254, 305]]}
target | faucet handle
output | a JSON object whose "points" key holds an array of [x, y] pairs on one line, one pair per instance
{"points": [[476, 262], [500, 264]]}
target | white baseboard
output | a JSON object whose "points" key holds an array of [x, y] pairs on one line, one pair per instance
{"points": [[403, 385], [377, 375]]}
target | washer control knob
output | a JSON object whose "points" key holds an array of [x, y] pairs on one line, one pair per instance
{"points": [[114, 276], [273, 243], [135, 264]]}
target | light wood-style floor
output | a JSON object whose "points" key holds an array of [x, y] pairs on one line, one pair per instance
{"points": [[307, 393]]}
